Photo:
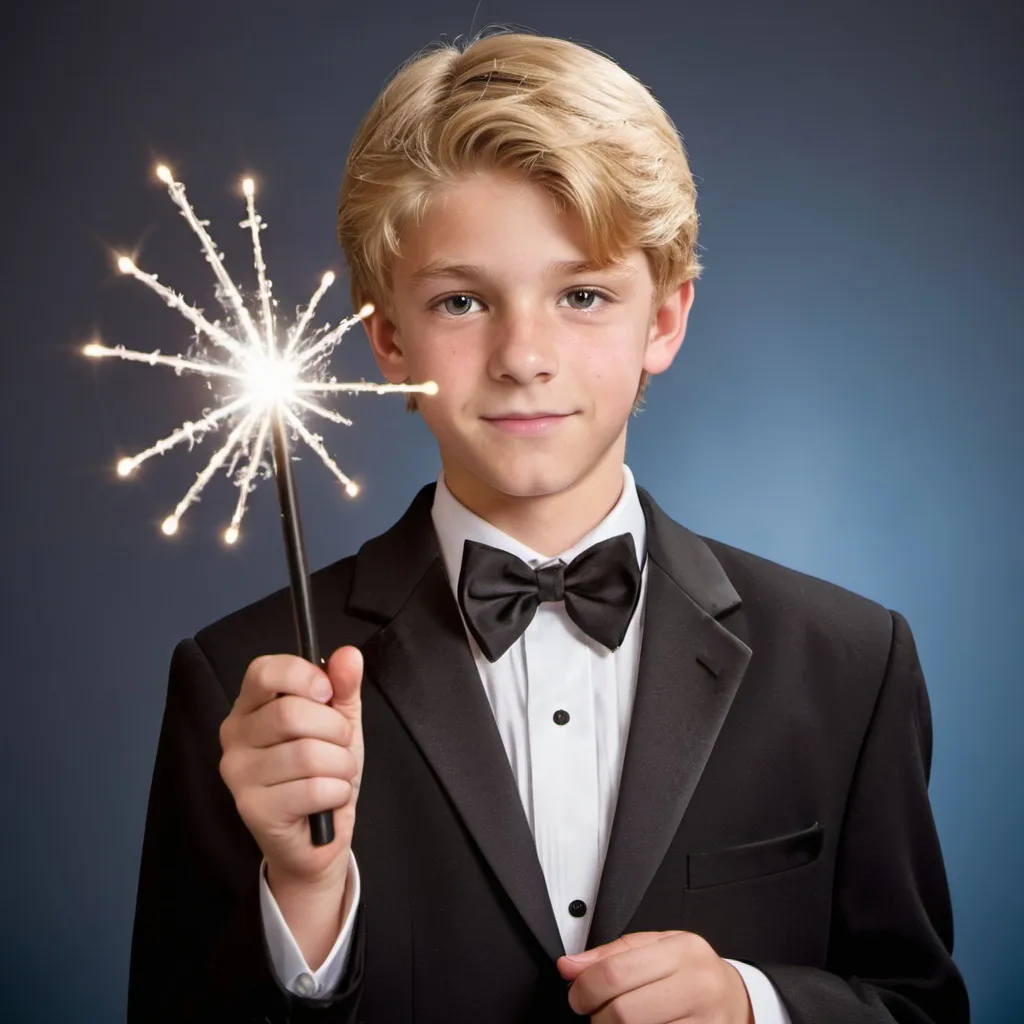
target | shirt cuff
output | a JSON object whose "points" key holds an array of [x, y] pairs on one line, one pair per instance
{"points": [[289, 964], [764, 999]]}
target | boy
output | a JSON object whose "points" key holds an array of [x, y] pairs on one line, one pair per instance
{"points": [[586, 730]]}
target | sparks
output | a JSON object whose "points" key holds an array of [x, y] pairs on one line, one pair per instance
{"points": [[263, 377]]}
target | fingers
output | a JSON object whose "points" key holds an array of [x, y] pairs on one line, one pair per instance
{"points": [[272, 674], [285, 781], [266, 711], [302, 797], [293, 718], [302, 759], [665, 1001], [628, 964]]}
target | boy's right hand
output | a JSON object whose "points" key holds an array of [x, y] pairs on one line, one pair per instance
{"points": [[284, 759]]}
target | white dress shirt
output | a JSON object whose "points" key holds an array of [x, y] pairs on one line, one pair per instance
{"points": [[566, 765]]}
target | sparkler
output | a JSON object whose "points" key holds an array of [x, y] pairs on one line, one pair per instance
{"points": [[269, 384]]}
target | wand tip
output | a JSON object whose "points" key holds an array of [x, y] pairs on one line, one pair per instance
{"points": [[125, 265], [365, 311], [249, 187], [125, 467], [231, 535], [170, 526], [351, 489], [163, 172], [430, 388]]}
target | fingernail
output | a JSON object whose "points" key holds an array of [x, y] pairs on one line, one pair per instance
{"points": [[322, 690]]}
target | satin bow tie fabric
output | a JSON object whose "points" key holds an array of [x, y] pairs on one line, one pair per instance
{"points": [[500, 593]]}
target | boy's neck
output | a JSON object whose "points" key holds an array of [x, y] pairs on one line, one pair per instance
{"points": [[549, 523]]}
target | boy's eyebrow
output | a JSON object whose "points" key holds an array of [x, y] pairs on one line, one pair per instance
{"points": [[438, 268]]}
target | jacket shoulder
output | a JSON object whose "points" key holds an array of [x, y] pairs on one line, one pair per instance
{"points": [[778, 599]]}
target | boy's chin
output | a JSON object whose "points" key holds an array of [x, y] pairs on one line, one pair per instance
{"points": [[530, 481]]}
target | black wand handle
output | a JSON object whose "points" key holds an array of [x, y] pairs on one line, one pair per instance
{"points": [[321, 824]]}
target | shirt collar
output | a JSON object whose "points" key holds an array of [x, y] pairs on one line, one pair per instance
{"points": [[455, 524]]}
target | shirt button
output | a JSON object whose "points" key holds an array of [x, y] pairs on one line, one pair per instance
{"points": [[560, 717], [577, 908], [305, 985]]}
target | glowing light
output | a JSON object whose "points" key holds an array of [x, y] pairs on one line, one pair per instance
{"points": [[261, 378]]}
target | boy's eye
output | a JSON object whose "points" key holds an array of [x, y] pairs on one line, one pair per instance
{"points": [[458, 305], [582, 298]]}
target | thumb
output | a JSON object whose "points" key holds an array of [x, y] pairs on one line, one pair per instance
{"points": [[571, 967], [345, 671]]}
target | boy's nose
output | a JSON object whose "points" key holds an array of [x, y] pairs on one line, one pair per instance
{"points": [[523, 350]]}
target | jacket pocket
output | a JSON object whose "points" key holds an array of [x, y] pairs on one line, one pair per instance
{"points": [[752, 860]]}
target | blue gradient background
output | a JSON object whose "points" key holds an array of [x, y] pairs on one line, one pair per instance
{"points": [[848, 400]]}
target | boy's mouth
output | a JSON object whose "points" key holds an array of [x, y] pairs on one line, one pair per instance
{"points": [[526, 424]]}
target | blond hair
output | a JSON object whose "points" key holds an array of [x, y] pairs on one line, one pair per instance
{"points": [[564, 116]]}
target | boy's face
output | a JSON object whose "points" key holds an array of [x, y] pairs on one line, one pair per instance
{"points": [[537, 361]]}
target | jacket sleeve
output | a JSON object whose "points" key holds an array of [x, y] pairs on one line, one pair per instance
{"points": [[199, 950], [891, 939]]}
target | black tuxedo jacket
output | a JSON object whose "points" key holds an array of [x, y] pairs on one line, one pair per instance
{"points": [[773, 800]]}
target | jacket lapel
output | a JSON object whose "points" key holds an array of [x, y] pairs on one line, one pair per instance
{"points": [[690, 668], [421, 662]]}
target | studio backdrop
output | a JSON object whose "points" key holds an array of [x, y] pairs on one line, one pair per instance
{"points": [[847, 400]]}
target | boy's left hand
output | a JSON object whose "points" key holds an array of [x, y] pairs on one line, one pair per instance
{"points": [[656, 978]]}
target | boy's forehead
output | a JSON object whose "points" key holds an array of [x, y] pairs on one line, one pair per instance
{"points": [[488, 220], [475, 204], [440, 267]]}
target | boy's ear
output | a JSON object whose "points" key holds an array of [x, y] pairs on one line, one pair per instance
{"points": [[668, 328], [386, 346]]}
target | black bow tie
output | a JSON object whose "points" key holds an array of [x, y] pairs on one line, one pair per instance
{"points": [[500, 593]]}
